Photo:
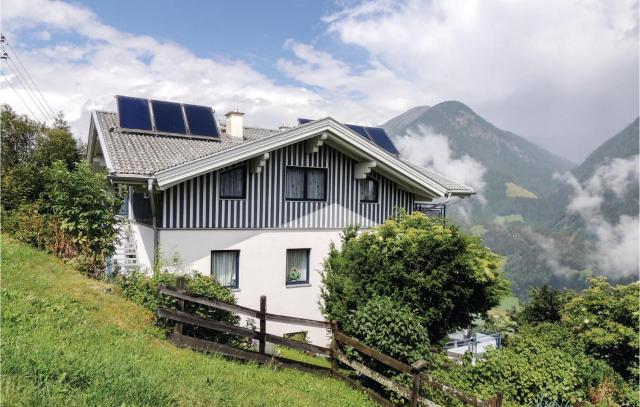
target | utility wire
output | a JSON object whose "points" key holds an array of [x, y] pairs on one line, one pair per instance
{"points": [[20, 96], [3, 40], [24, 85]]}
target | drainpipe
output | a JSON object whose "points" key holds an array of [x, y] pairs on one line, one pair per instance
{"points": [[156, 251]]}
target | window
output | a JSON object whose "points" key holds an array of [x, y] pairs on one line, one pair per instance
{"points": [[224, 267], [297, 266], [369, 190], [232, 183], [306, 184]]}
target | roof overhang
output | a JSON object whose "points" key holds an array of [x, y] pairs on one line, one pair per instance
{"points": [[336, 134]]}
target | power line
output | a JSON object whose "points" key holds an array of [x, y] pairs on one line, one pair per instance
{"points": [[3, 40], [23, 102], [24, 85]]}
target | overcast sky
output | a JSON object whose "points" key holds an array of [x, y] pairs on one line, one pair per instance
{"points": [[564, 74]]}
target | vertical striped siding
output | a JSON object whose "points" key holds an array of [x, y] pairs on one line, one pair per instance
{"points": [[195, 204]]}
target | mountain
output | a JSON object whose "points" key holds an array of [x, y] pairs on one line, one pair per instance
{"points": [[522, 212], [518, 172], [622, 146]]}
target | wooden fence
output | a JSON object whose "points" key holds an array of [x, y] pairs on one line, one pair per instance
{"points": [[335, 353]]}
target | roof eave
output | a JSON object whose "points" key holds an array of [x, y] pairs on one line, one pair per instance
{"points": [[172, 176]]}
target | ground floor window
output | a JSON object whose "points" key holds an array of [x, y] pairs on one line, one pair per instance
{"points": [[225, 267], [297, 266]]}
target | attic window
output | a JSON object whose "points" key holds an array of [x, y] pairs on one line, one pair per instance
{"points": [[306, 184], [232, 183], [369, 190]]}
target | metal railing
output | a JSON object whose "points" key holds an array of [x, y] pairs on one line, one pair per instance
{"points": [[434, 210]]}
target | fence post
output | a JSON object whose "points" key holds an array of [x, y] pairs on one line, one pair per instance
{"points": [[334, 347], [263, 323], [179, 285], [416, 368], [498, 402]]}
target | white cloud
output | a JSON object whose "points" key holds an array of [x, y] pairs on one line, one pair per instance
{"points": [[424, 147], [542, 70], [618, 243], [80, 76]]}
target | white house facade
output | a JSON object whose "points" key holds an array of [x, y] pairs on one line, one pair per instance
{"points": [[255, 209]]}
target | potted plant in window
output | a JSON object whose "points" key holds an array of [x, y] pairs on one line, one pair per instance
{"points": [[293, 275]]}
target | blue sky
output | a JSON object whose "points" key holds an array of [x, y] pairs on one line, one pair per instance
{"points": [[564, 75]]}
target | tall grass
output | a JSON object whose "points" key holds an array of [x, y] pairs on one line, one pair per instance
{"points": [[68, 340]]}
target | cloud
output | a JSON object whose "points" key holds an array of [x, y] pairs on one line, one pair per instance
{"points": [[543, 71], [84, 74], [424, 147], [618, 243]]}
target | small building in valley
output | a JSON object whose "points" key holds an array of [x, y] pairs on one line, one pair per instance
{"points": [[254, 208]]}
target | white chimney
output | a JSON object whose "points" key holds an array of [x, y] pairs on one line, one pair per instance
{"points": [[235, 124]]}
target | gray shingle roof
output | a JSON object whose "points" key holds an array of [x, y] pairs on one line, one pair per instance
{"points": [[146, 154]]}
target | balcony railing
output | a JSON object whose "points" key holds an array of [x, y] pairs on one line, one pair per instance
{"points": [[434, 210]]}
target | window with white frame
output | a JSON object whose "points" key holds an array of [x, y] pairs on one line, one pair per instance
{"points": [[297, 266], [232, 183], [225, 267], [306, 184]]}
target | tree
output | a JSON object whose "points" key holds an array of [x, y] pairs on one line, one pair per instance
{"points": [[545, 305], [426, 265], [56, 144], [604, 319], [85, 208], [19, 135]]}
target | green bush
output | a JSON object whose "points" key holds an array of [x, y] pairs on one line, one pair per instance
{"points": [[604, 320], [79, 199], [545, 305], [429, 266], [390, 328], [143, 289], [538, 364]]}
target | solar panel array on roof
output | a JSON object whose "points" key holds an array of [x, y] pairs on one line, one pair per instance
{"points": [[376, 135], [168, 117]]}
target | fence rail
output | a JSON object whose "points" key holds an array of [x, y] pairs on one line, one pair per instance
{"points": [[420, 378]]}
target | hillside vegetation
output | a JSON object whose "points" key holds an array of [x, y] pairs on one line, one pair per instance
{"points": [[69, 340]]}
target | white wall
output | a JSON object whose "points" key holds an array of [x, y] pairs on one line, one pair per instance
{"points": [[144, 244], [262, 268]]}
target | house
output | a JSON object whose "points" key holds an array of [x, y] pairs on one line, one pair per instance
{"points": [[255, 208]]}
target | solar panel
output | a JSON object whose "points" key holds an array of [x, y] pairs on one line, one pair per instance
{"points": [[134, 113], [201, 120], [304, 121], [168, 117], [380, 137], [360, 130]]}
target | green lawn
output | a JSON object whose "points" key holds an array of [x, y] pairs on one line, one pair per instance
{"points": [[67, 341]]}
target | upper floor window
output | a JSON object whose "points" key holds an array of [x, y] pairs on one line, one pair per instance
{"points": [[306, 184], [232, 183], [297, 266], [225, 267], [368, 190]]}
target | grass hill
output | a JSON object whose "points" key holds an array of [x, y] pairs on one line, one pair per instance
{"points": [[68, 340]]}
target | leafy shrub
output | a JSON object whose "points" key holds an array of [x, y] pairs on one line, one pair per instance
{"points": [[545, 305], [445, 276], [143, 289], [539, 365], [390, 328], [86, 210], [605, 320]]}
